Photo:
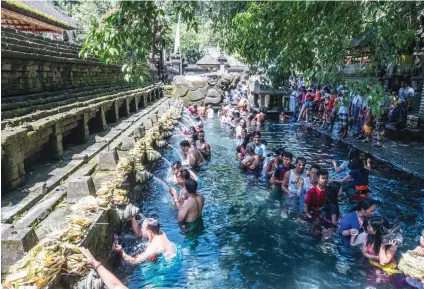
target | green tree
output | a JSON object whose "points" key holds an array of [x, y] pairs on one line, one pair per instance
{"points": [[130, 34]]}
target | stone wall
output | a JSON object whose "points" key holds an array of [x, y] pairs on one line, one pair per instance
{"points": [[33, 64], [51, 97]]}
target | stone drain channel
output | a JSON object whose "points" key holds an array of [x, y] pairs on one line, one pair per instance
{"points": [[47, 207]]}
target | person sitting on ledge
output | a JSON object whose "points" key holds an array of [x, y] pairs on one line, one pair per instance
{"points": [[107, 277], [158, 243]]}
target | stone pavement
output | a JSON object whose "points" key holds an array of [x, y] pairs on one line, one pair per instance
{"points": [[408, 157]]}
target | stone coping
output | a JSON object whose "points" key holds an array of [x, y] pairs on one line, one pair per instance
{"points": [[39, 201], [73, 108]]}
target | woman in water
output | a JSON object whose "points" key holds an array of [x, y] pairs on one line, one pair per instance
{"points": [[241, 149], [360, 176], [353, 223], [381, 255]]}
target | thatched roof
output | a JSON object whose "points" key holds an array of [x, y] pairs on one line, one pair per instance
{"points": [[207, 60], [35, 13]]}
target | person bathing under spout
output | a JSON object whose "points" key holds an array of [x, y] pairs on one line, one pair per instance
{"points": [[193, 154], [158, 244]]}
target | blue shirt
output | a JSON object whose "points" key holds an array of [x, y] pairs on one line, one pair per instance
{"points": [[350, 221]]}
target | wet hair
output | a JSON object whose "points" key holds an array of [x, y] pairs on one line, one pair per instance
{"points": [[192, 128], [365, 204], [195, 136], [380, 226], [322, 173], [287, 154], [201, 131], [257, 133], [191, 186], [357, 164], [314, 166], [153, 225], [237, 114], [184, 174], [300, 159], [184, 143], [246, 139], [176, 164]]}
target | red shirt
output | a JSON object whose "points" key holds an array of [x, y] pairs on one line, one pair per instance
{"points": [[317, 96], [331, 103], [315, 198]]}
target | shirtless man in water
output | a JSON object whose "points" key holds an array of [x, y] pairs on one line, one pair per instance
{"points": [[194, 155], [203, 146], [158, 243], [182, 176], [191, 210]]}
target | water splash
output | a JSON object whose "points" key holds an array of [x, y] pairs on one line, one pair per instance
{"points": [[175, 149], [189, 120], [183, 125], [167, 161], [161, 181]]}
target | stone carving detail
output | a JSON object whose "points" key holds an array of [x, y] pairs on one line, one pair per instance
{"points": [[204, 89]]}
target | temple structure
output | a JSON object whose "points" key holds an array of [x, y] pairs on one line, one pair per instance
{"points": [[36, 17]]}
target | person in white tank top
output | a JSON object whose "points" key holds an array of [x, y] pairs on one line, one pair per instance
{"points": [[294, 187]]}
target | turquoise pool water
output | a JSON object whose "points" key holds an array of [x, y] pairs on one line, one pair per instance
{"points": [[246, 244]]}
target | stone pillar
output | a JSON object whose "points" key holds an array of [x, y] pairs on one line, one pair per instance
{"points": [[55, 142], [134, 104], [81, 131], [261, 100], [13, 162], [267, 101], [100, 119], [255, 100]]}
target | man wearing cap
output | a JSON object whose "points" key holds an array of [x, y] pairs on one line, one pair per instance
{"points": [[251, 160], [158, 243]]}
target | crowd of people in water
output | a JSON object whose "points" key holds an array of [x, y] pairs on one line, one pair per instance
{"points": [[304, 191]]}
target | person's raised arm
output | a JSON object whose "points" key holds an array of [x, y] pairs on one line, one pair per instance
{"points": [[135, 226], [107, 277], [340, 181], [192, 175], [336, 168], [369, 164], [386, 254]]}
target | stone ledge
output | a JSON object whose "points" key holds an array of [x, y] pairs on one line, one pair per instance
{"points": [[98, 102], [75, 168]]}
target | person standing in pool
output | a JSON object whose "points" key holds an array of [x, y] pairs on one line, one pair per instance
{"points": [[315, 197], [203, 146], [283, 167], [353, 223], [260, 148], [194, 155], [293, 185], [182, 177], [190, 212], [158, 244], [251, 160]]}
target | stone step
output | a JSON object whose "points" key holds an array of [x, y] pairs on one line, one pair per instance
{"points": [[46, 113], [34, 204], [42, 209], [53, 101], [70, 90], [35, 38], [43, 50], [16, 41]]}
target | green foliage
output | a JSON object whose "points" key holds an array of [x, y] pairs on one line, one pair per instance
{"points": [[84, 12], [314, 37], [129, 34]]}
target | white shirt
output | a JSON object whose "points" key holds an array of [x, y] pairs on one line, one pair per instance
{"points": [[357, 100], [343, 109]]}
